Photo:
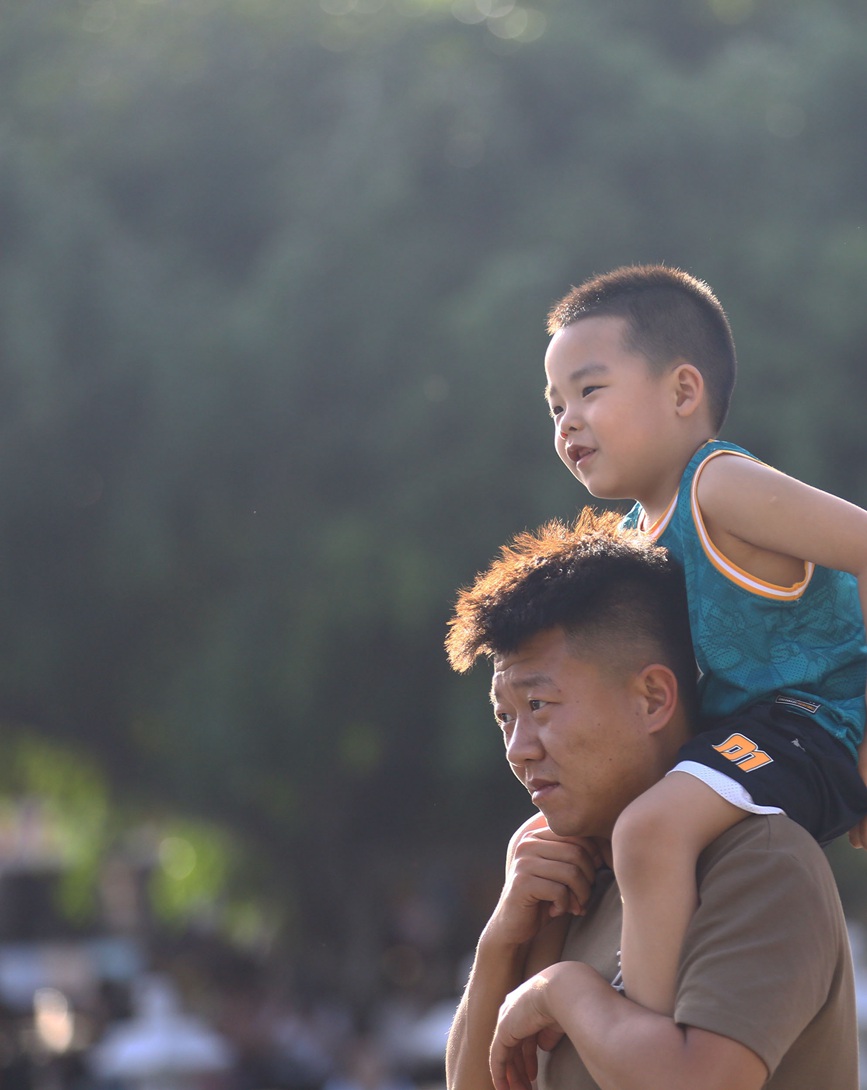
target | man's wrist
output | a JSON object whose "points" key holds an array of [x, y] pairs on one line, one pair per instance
{"points": [[564, 980], [497, 945]]}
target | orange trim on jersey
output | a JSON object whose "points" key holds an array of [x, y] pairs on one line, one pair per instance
{"points": [[727, 567], [664, 519]]}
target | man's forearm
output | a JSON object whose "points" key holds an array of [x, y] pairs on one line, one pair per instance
{"points": [[625, 1047], [496, 971]]}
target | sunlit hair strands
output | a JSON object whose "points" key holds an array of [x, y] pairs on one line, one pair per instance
{"points": [[618, 596]]}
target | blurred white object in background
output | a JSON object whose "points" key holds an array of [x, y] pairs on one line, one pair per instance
{"points": [[161, 1048]]}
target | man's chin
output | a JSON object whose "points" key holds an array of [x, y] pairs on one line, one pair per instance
{"points": [[572, 826], [563, 826]]}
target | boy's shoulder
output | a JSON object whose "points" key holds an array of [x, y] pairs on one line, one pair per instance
{"points": [[713, 449]]}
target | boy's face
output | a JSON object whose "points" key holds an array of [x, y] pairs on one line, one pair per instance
{"points": [[612, 413]]}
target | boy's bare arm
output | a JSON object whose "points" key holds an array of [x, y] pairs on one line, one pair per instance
{"points": [[547, 877], [748, 506], [858, 835], [745, 502]]}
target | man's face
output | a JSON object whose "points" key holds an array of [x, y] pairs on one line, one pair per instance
{"points": [[575, 733]]}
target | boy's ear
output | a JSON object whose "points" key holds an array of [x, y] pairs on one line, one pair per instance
{"points": [[658, 691], [688, 385]]}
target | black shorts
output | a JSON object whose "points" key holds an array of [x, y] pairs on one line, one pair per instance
{"points": [[784, 760]]}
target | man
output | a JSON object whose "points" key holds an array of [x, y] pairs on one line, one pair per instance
{"points": [[594, 692]]}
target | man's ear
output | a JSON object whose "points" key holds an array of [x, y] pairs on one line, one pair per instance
{"points": [[688, 383], [658, 693]]}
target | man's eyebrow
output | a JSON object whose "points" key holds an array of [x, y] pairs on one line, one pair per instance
{"points": [[529, 681], [579, 374]]}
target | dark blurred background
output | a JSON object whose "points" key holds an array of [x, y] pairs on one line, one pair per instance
{"points": [[273, 280]]}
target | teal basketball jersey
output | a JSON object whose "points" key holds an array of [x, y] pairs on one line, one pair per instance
{"points": [[803, 645]]}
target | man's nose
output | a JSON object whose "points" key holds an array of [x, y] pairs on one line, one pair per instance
{"points": [[523, 743]]}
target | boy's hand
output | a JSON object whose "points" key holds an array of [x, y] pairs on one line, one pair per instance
{"points": [[858, 835]]}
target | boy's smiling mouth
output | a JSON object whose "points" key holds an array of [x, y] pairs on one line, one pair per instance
{"points": [[575, 453]]}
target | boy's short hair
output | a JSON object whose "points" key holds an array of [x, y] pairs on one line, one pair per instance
{"points": [[618, 596], [669, 314]]}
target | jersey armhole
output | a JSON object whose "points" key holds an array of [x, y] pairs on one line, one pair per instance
{"points": [[726, 567]]}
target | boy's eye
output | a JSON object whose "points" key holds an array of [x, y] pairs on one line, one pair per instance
{"points": [[555, 411], [589, 390], [535, 705]]}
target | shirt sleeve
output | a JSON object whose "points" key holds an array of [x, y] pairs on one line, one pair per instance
{"points": [[764, 946]]}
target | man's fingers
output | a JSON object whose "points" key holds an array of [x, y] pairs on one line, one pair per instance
{"points": [[509, 1071], [583, 851], [561, 882], [507, 1068], [547, 876], [542, 856], [530, 1058], [513, 1058]]}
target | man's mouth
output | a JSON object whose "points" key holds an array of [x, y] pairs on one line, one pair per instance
{"points": [[540, 788]]}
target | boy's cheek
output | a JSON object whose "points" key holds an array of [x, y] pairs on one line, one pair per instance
{"points": [[560, 447]]}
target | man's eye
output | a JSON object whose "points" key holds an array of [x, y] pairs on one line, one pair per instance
{"points": [[535, 705]]}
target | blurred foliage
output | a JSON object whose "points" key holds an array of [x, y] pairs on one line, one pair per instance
{"points": [[272, 290]]}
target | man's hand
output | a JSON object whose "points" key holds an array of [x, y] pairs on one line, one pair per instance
{"points": [[525, 1024], [622, 1045], [547, 876], [549, 879]]}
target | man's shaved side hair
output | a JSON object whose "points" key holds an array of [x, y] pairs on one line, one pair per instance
{"points": [[616, 595]]}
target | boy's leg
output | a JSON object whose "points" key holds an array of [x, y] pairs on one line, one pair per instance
{"points": [[656, 844]]}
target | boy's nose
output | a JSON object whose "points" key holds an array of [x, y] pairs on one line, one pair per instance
{"points": [[570, 421]]}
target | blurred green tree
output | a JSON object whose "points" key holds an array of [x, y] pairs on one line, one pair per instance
{"points": [[272, 293]]}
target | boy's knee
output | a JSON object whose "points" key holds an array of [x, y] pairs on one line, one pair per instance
{"points": [[644, 833]]}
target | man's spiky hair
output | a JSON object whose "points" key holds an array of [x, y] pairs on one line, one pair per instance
{"points": [[607, 588]]}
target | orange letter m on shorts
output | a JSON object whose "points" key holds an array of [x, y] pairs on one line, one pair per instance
{"points": [[743, 752]]}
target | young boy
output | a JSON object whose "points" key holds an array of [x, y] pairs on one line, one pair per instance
{"points": [[640, 368]]}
